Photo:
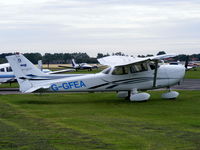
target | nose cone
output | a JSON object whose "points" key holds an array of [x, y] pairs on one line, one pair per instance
{"points": [[180, 71]]}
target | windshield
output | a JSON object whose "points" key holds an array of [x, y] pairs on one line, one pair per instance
{"points": [[106, 71]]}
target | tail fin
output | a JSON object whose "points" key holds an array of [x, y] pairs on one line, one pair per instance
{"points": [[40, 64], [73, 63], [23, 70]]}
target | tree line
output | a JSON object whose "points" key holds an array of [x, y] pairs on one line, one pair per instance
{"points": [[64, 58], [56, 58]]}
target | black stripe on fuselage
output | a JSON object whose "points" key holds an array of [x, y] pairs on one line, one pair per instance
{"points": [[97, 86], [115, 83], [125, 81]]}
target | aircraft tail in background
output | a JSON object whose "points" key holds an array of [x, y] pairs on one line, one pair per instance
{"points": [[74, 63]]}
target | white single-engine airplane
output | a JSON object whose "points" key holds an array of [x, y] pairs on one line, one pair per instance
{"points": [[126, 75]]}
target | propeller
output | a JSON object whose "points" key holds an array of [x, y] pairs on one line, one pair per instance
{"points": [[186, 61], [186, 67]]}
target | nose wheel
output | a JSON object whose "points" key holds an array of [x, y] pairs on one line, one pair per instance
{"points": [[170, 94]]}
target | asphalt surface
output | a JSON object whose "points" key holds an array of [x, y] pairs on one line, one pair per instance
{"points": [[186, 84], [5, 91]]}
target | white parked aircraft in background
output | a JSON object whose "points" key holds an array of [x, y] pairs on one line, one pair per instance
{"points": [[81, 66], [6, 73], [126, 75]]}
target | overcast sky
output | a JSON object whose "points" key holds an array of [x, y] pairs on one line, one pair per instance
{"points": [[130, 26]]}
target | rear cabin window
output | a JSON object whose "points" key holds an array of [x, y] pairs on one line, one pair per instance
{"points": [[2, 70], [138, 67], [120, 70], [8, 69]]}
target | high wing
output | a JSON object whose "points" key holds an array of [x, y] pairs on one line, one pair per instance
{"points": [[115, 61]]}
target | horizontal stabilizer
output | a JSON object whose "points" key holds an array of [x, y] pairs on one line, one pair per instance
{"points": [[33, 89]]}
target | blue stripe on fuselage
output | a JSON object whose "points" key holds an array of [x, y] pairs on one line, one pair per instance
{"points": [[7, 76]]}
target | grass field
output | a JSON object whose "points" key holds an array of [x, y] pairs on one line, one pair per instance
{"points": [[8, 85], [82, 121], [193, 74]]}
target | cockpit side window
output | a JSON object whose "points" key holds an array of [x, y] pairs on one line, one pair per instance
{"points": [[120, 70], [2, 70], [153, 65], [138, 67]]}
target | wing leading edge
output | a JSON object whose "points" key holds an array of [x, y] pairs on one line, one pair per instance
{"points": [[115, 61]]}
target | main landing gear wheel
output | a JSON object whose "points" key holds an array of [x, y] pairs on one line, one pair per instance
{"points": [[138, 97], [133, 95]]}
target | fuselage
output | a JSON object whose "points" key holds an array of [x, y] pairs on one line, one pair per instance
{"points": [[114, 80]]}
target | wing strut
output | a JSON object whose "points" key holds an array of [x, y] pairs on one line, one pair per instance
{"points": [[155, 73]]}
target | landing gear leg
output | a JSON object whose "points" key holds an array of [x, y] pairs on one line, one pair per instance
{"points": [[129, 95]]}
